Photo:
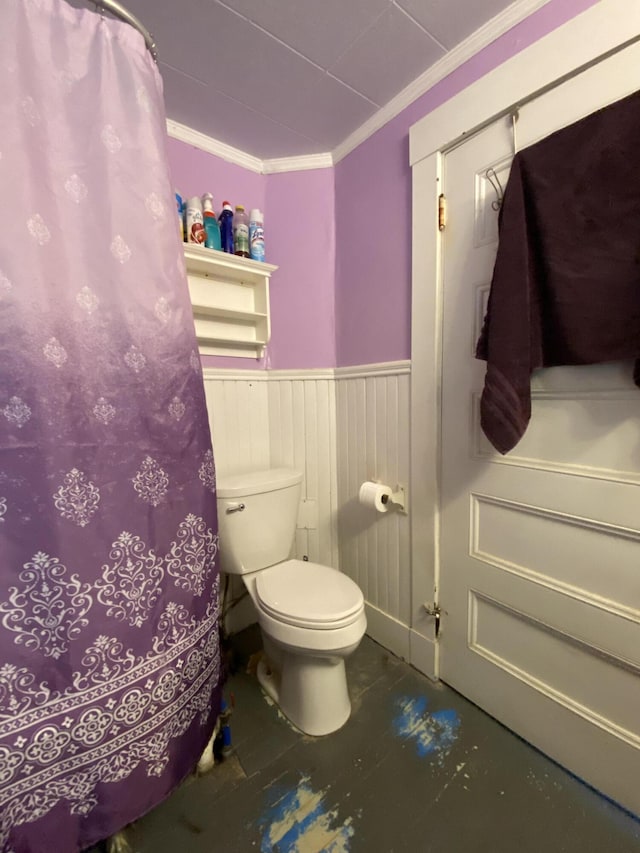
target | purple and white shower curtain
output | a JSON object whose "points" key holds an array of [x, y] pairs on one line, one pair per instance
{"points": [[109, 655]]}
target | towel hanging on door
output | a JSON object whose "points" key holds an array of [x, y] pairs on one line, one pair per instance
{"points": [[566, 282]]}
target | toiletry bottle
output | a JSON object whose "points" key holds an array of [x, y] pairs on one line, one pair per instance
{"points": [[211, 227], [226, 227], [256, 235], [241, 232], [180, 207], [195, 224]]}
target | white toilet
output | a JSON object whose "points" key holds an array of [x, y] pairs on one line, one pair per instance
{"points": [[311, 616]]}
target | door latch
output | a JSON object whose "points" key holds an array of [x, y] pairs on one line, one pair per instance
{"points": [[434, 611]]}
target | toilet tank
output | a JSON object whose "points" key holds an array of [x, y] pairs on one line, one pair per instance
{"points": [[262, 533]]}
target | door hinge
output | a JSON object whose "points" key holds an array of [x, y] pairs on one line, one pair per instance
{"points": [[442, 212], [434, 610]]}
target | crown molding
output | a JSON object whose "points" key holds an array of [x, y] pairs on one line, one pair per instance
{"points": [[477, 41], [297, 164], [600, 29], [504, 21], [213, 146], [240, 158]]}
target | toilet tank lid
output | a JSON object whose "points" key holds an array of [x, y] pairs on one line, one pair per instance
{"points": [[257, 482]]}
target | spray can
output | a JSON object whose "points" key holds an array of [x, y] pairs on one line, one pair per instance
{"points": [[194, 220], [256, 235], [226, 227]]}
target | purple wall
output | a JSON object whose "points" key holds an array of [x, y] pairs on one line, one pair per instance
{"points": [[373, 208], [342, 237], [300, 238], [195, 172]]}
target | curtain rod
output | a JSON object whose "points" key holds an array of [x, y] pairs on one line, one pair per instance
{"points": [[125, 15]]}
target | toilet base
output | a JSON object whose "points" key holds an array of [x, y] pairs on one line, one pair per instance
{"points": [[310, 691]]}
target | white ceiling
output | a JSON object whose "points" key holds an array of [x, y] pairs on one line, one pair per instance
{"points": [[279, 78]]}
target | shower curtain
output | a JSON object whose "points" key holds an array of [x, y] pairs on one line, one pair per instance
{"points": [[109, 654]]}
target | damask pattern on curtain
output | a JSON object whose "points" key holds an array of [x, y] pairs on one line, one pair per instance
{"points": [[109, 655]]}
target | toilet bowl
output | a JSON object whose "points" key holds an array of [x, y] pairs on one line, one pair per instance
{"points": [[311, 616]]}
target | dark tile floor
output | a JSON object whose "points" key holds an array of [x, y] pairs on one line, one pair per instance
{"points": [[417, 768]]}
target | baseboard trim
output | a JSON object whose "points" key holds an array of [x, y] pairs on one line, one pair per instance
{"points": [[423, 655], [389, 632]]}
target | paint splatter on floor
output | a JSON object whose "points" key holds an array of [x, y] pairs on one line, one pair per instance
{"points": [[281, 716], [434, 733], [546, 786], [298, 821]]}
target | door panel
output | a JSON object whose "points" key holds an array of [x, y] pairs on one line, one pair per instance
{"points": [[540, 549]]}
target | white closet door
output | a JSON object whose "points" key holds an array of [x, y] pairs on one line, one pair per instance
{"points": [[540, 549]]}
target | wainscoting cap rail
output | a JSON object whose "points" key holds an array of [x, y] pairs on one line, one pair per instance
{"points": [[387, 368], [391, 368]]}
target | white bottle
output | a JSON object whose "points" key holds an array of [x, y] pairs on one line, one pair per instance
{"points": [[194, 220], [240, 232], [256, 235]]}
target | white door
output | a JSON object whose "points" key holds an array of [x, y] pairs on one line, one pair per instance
{"points": [[540, 549]]}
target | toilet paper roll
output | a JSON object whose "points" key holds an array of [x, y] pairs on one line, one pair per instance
{"points": [[375, 495]]}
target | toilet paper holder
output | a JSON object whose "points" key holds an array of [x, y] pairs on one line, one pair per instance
{"points": [[382, 497], [397, 498]]}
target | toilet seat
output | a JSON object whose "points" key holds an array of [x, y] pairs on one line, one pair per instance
{"points": [[309, 595]]}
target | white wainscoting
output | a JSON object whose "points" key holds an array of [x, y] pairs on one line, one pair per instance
{"points": [[339, 427], [237, 402], [372, 408], [302, 430]]}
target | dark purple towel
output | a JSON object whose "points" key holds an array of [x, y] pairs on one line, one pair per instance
{"points": [[566, 281]]}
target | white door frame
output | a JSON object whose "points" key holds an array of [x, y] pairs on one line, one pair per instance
{"points": [[602, 27]]}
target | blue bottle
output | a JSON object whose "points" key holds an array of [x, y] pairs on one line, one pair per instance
{"points": [[225, 713], [211, 228], [226, 227]]}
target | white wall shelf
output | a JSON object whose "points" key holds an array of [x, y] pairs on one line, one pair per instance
{"points": [[230, 301]]}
